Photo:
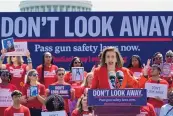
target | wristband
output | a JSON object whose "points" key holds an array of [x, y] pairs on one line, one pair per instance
{"points": [[29, 60]]}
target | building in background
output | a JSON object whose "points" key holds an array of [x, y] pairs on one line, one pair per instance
{"points": [[55, 6]]}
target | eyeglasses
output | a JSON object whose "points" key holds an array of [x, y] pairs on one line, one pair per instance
{"points": [[77, 62], [34, 74], [13, 56], [60, 74]]}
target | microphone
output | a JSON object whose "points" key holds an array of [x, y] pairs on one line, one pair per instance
{"points": [[120, 76], [112, 77]]}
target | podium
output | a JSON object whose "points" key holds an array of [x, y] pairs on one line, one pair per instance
{"points": [[116, 110], [117, 102]]}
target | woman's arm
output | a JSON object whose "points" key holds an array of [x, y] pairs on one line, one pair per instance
{"points": [[2, 66], [29, 60]]}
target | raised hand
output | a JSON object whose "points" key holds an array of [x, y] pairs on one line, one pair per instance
{"points": [[146, 67], [27, 54]]}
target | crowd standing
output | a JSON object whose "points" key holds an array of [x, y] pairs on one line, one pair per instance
{"points": [[18, 77]]}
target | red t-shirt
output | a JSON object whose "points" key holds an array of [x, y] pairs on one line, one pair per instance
{"points": [[136, 72], [157, 103], [35, 103], [66, 100], [76, 113], [75, 85], [49, 74], [18, 75], [149, 109], [9, 87], [10, 111]]}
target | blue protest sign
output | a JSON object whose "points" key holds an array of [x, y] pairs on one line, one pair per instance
{"points": [[117, 97], [85, 34], [33, 91], [63, 90]]}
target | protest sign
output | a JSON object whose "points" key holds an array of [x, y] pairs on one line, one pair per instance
{"points": [[56, 113], [20, 49], [8, 44], [5, 98], [70, 34], [156, 90], [117, 97], [33, 91], [18, 114], [166, 69], [77, 73], [63, 90]]}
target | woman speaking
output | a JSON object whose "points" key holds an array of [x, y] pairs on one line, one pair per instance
{"points": [[111, 74]]}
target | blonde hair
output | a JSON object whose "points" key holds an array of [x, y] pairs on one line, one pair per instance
{"points": [[85, 82], [20, 60], [119, 58], [30, 72]]}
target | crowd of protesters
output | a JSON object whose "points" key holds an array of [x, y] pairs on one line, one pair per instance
{"points": [[17, 77]]}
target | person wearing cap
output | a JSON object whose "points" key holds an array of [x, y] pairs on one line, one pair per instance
{"points": [[167, 109], [155, 78], [6, 88], [16, 109]]}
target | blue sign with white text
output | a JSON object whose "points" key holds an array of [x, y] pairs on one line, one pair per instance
{"points": [[117, 97], [63, 90], [85, 34]]}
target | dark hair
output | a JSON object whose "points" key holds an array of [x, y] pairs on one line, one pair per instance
{"points": [[16, 92], [43, 64], [6, 73], [54, 103], [72, 62], [157, 66], [139, 60]]}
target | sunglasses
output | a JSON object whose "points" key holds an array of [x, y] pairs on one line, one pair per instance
{"points": [[13, 56], [77, 62], [34, 75], [60, 74], [169, 56], [158, 58]]}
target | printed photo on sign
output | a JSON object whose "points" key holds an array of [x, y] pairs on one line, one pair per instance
{"points": [[57, 113], [156, 90], [5, 98], [8, 44], [33, 91], [20, 49], [19, 114], [77, 73]]}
